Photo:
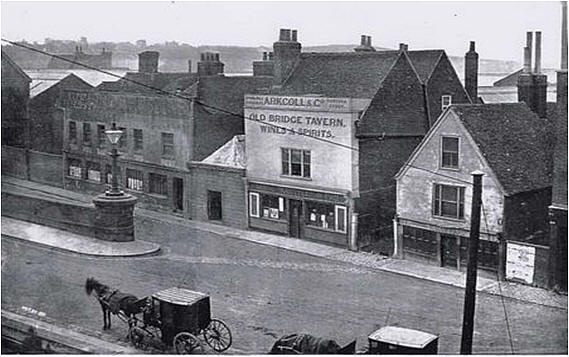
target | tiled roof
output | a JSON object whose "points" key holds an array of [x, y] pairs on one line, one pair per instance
{"points": [[350, 74], [424, 62], [157, 82], [231, 154], [227, 93], [517, 144]]}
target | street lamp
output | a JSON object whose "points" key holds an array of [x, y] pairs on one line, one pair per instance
{"points": [[114, 136]]}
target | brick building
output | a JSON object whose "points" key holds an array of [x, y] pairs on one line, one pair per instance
{"points": [[168, 120], [377, 105]]}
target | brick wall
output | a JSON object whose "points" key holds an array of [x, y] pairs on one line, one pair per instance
{"points": [[14, 162], [229, 182], [379, 162], [46, 168], [526, 216], [77, 218]]}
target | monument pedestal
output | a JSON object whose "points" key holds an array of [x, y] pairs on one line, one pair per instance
{"points": [[114, 220]]}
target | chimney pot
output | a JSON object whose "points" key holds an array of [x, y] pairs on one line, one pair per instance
{"points": [[264, 56], [472, 46], [271, 54], [189, 66], [368, 42], [294, 35], [363, 40], [537, 68], [527, 60], [282, 35], [402, 47]]}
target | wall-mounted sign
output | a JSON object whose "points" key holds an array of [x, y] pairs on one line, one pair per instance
{"points": [[300, 103], [520, 262]]}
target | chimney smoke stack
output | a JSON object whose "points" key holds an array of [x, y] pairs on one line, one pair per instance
{"points": [[537, 68], [564, 35], [529, 45], [527, 60]]}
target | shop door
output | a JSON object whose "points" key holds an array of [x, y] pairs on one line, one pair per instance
{"points": [[214, 208], [178, 189], [449, 251], [294, 219]]}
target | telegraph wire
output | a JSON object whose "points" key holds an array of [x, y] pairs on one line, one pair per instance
{"points": [[177, 95], [500, 291]]}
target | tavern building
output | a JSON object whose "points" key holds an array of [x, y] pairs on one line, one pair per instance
{"points": [[327, 174]]}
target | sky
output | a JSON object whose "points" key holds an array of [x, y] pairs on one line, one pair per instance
{"points": [[497, 27]]}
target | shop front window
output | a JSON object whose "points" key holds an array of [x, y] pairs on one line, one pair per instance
{"points": [[266, 206], [94, 171], [272, 207], [326, 216], [134, 179], [75, 168]]}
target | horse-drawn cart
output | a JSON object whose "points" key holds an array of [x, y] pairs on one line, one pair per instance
{"points": [[177, 317]]}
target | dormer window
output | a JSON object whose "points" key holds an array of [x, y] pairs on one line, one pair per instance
{"points": [[446, 101], [449, 155]]}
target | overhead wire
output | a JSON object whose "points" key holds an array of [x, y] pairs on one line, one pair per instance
{"points": [[178, 95]]}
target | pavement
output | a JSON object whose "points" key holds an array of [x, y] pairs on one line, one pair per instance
{"points": [[53, 238]]}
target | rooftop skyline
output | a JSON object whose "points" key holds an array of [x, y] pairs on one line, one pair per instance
{"points": [[497, 27]]}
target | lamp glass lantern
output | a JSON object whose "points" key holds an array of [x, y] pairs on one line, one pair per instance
{"points": [[114, 136]]}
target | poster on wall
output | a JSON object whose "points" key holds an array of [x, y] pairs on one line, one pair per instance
{"points": [[520, 262]]}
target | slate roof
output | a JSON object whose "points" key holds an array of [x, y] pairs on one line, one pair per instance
{"points": [[70, 81], [14, 65], [231, 154], [517, 144], [348, 75]]}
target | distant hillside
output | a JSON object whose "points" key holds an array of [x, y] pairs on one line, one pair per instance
{"points": [[174, 56]]}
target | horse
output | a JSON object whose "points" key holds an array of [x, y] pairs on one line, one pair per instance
{"points": [[308, 344], [112, 301]]}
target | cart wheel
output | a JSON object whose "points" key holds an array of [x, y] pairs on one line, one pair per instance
{"points": [[217, 335], [136, 336], [186, 343]]}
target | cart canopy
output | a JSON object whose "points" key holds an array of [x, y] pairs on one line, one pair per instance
{"points": [[180, 296], [401, 336]]}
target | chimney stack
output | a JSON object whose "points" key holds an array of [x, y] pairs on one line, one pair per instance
{"points": [[532, 85], [148, 62], [286, 52], [209, 65], [365, 45], [471, 73], [265, 67], [189, 66], [403, 47]]}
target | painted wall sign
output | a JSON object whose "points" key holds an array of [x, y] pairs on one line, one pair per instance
{"points": [[520, 262], [301, 103]]}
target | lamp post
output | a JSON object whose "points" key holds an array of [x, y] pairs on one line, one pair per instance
{"points": [[114, 218], [114, 136]]}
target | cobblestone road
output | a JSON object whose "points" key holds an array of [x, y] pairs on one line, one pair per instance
{"points": [[264, 292]]}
